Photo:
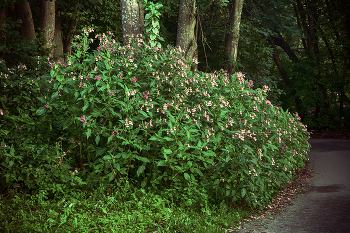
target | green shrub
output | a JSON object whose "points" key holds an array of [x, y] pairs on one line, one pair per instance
{"points": [[139, 115]]}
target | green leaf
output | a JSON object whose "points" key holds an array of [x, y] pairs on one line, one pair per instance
{"points": [[272, 146], [106, 157], [160, 132], [148, 15], [85, 106], [55, 94], [88, 133], [144, 159], [187, 176], [97, 139], [41, 111], [110, 176], [117, 166], [152, 37], [199, 144], [188, 134], [243, 192], [140, 170], [100, 150], [143, 113], [198, 171], [171, 118], [110, 138], [233, 192], [264, 148], [167, 151], [241, 158], [161, 163], [227, 192], [155, 30], [154, 138], [169, 139], [209, 153]]}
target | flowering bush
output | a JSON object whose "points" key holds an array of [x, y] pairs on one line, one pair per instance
{"points": [[142, 116]]}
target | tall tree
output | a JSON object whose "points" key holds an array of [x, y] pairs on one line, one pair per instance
{"points": [[186, 38], [2, 29], [58, 51], [132, 18], [232, 38], [24, 12], [47, 21]]}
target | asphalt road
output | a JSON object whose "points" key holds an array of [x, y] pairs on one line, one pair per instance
{"points": [[324, 205]]}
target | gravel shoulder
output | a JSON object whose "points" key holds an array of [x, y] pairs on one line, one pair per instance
{"points": [[323, 203]]}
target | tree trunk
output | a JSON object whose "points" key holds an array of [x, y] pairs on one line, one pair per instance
{"points": [[232, 38], [47, 22], [2, 35], [132, 19], [286, 48], [24, 13], [58, 51], [278, 62], [186, 38], [67, 47]]}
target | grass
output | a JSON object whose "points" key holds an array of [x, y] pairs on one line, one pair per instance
{"points": [[143, 212]]}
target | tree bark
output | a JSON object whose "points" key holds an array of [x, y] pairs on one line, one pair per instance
{"points": [[24, 12], [186, 38], [278, 62], [132, 19], [47, 22], [2, 35], [67, 46], [58, 51], [286, 48], [232, 38]]}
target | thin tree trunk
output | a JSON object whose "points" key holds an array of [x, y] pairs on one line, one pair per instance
{"points": [[67, 46], [186, 38], [232, 38], [132, 19], [47, 22], [287, 49], [24, 12], [2, 35], [278, 62], [58, 51]]}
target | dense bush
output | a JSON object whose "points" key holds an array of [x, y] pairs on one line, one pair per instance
{"points": [[123, 115]]}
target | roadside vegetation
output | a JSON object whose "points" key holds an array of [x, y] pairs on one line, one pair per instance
{"points": [[128, 139]]}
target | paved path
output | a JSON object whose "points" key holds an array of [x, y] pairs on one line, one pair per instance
{"points": [[324, 206]]}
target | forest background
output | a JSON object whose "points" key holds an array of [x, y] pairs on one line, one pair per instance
{"points": [[300, 49]]}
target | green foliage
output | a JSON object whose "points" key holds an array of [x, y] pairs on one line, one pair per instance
{"points": [[151, 26], [103, 16], [194, 138], [17, 49], [256, 62]]}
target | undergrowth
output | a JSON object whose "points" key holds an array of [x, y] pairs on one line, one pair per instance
{"points": [[132, 138]]}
